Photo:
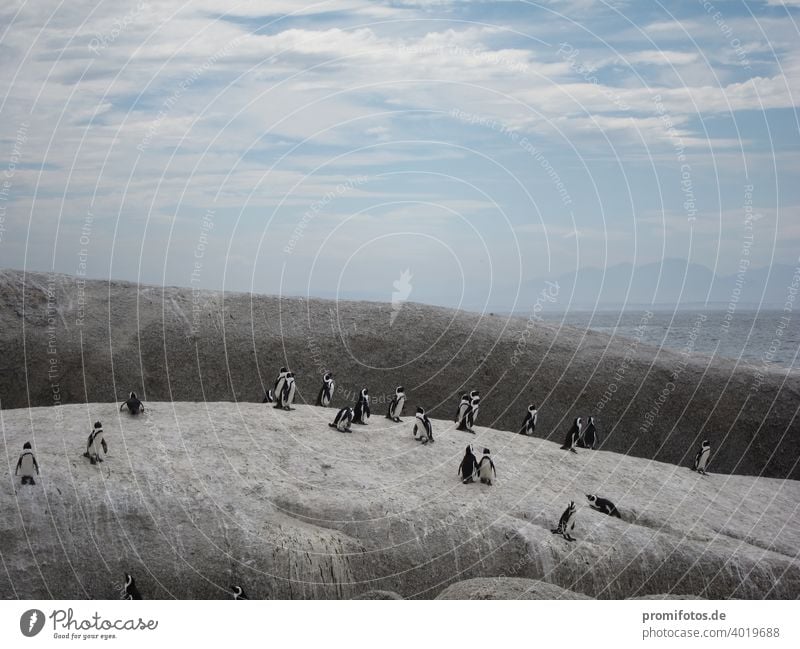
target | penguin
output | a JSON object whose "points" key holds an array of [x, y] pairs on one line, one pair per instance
{"points": [[280, 382], [486, 470], [133, 405], [326, 391], [130, 592], [238, 593], [96, 441], [603, 505], [567, 522], [269, 396], [529, 425], [572, 436], [286, 395], [461, 412], [343, 420], [468, 467], [588, 438], [472, 411], [423, 431], [361, 410], [27, 464], [701, 459], [396, 404]]}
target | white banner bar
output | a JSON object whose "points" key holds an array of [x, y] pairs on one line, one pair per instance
{"points": [[400, 624]]}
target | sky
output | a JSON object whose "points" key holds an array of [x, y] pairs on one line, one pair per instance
{"points": [[441, 151]]}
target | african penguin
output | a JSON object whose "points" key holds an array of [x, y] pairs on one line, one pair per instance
{"points": [[361, 410], [343, 420], [27, 464], [96, 442], [130, 591], [423, 431], [238, 593], [326, 391], [567, 522], [286, 395], [461, 412], [269, 396], [486, 470], [133, 405], [396, 404], [529, 425], [602, 505], [588, 438], [572, 436], [472, 412], [701, 459], [280, 382], [468, 467]]}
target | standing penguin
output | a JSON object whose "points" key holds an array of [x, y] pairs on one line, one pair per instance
{"points": [[701, 459], [280, 381], [269, 396], [343, 420], [238, 593], [461, 412], [423, 431], [529, 425], [133, 405], [396, 404], [567, 522], [130, 591], [486, 470], [96, 441], [326, 391], [27, 464], [588, 438], [361, 410], [472, 412], [468, 467], [603, 505], [572, 436], [286, 395]]}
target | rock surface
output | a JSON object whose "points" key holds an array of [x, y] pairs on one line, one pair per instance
{"points": [[66, 340], [506, 588], [196, 496]]}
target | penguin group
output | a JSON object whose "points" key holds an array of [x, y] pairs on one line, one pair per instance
{"points": [[467, 411], [579, 436]]}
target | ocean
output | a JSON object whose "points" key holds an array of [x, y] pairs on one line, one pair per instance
{"points": [[751, 336]]}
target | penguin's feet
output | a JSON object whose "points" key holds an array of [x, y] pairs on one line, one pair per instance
{"points": [[86, 454], [573, 450], [92, 460], [397, 420], [569, 538]]}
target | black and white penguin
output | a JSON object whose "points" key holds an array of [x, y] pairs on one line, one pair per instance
{"points": [[472, 412], [326, 391], [603, 505], [133, 405], [567, 522], [27, 464], [461, 412], [423, 431], [588, 438], [130, 591], [95, 443], [361, 410], [573, 436], [701, 459], [238, 593], [396, 404], [486, 471], [468, 468], [286, 395], [280, 382], [269, 396], [529, 425], [343, 420]]}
